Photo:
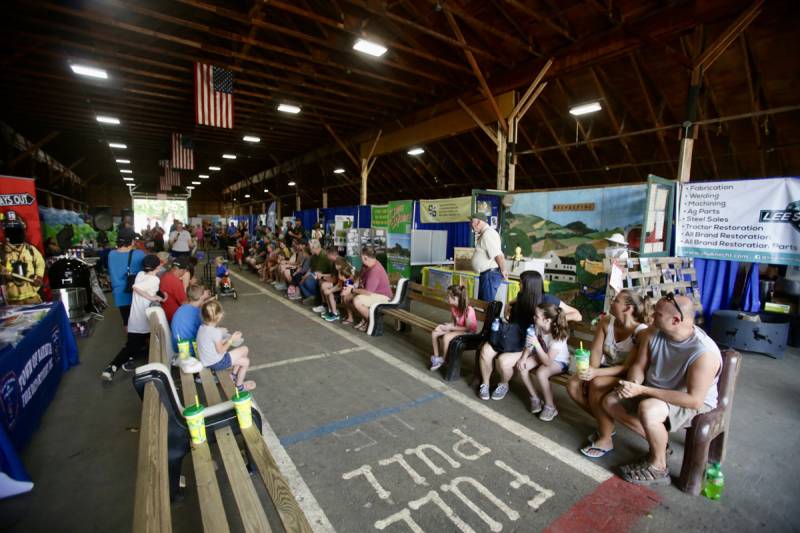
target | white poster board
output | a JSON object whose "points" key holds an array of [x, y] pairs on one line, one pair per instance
{"points": [[748, 220]]}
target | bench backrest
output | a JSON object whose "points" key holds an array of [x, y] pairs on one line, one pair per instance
{"points": [[400, 291], [161, 329], [726, 385]]}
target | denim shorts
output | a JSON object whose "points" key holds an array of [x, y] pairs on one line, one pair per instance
{"points": [[223, 363], [564, 366]]}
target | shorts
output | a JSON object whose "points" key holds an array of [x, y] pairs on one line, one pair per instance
{"points": [[564, 366], [678, 418], [222, 364], [371, 299]]}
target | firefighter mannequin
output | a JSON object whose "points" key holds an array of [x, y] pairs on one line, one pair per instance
{"points": [[22, 264]]}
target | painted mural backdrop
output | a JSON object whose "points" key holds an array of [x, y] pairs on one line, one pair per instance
{"points": [[570, 228]]}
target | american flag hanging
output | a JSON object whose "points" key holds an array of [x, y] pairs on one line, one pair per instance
{"points": [[182, 152], [213, 92], [172, 178]]}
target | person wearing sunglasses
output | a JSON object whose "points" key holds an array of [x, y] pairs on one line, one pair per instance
{"points": [[673, 378]]}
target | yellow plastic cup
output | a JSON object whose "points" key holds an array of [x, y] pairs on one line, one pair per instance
{"points": [[582, 360], [243, 402], [195, 420], [184, 349]]}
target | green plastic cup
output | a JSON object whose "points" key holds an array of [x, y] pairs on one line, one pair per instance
{"points": [[243, 402], [184, 348], [582, 360], [195, 420]]}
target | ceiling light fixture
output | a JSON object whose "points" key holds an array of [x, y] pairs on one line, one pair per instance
{"points": [[369, 47], [214, 168], [203, 176], [292, 184], [126, 178], [126, 171], [247, 196], [105, 119], [585, 109], [251, 139], [123, 161], [339, 171], [416, 151], [189, 187], [195, 183], [288, 108], [118, 145], [266, 190], [91, 72], [228, 156]]}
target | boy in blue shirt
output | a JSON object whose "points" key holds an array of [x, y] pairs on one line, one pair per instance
{"points": [[186, 320]]}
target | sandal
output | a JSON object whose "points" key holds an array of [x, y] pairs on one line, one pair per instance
{"points": [[593, 452], [647, 475], [643, 461], [363, 327], [361, 323]]}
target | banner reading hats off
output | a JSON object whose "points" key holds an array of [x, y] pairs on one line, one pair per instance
{"points": [[19, 195]]}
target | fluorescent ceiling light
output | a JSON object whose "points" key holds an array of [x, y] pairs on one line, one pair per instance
{"points": [[228, 156], [585, 109], [292, 184], [190, 187], [213, 168], [247, 196], [91, 72], [203, 176], [118, 145], [416, 151], [126, 178], [195, 183], [251, 139], [369, 47], [106, 119], [339, 171], [266, 190], [126, 171], [288, 108], [123, 161]]}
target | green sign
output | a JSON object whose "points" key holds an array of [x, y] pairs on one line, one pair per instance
{"points": [[380, 216], [400, 216]]}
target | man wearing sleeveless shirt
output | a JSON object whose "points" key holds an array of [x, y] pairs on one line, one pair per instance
{"points": [[673, 378]]}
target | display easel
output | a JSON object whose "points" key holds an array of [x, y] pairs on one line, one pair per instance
{"points": [[655, 277]]}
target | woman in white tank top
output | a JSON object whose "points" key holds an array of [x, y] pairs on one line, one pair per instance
{"points": [[612, 353]]}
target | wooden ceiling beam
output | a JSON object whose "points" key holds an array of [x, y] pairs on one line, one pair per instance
{"points": [[560, 144], [32, 148], [634, 60], [547, 20]]}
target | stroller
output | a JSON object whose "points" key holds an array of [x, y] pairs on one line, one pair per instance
{"points": [[225, 286]]}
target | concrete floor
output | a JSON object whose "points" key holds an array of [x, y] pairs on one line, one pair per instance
{"points": [[369, 436]]}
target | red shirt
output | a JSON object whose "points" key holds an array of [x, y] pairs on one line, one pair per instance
{"points": [[172, 286]]}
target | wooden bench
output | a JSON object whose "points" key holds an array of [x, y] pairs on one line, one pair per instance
{"points": [[221, 429], [485, 312]]}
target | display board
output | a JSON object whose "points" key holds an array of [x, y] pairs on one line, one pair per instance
{"points": [[398, 252], [148, 211], [445, 210], [746, 220]]}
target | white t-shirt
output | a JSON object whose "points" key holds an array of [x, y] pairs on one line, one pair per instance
{"points": [[487, 247], [562, 350], [207, 336], [182, 241], [137, 321]]}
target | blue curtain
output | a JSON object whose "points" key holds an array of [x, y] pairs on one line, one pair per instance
{"points": [[364, 218], [458, 233], [716, 279], [308, 216], [328, 214]]}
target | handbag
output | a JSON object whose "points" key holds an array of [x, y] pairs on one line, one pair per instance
{"points": [[129, 278], [509, 337]]}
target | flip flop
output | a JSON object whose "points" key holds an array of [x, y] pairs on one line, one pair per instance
{"points": [[588, 451], [363, 327], [361, 323]]}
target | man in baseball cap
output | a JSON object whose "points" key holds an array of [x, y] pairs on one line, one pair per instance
{"points": [[488, 259]]}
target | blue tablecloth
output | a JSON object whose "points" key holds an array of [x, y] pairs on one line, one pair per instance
{"points": [[29, 376]]}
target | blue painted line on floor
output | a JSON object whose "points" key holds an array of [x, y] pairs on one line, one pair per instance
{"points": [[357, 420]]}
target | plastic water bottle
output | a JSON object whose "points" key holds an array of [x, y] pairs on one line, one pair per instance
{"points": [[530, 336], [496, 324], [714, 483]]}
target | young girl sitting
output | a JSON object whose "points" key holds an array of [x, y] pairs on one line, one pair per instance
{"points": [[329, 289], [214, 343], [464, 321], [547, 353]]}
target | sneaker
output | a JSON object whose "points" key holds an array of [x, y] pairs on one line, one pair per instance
{"points": [[108, 373], [436, 362], [548, 413], [536, 405], [484, 392], [129, 365], [500, 392], [331, 317], [320, 309]]}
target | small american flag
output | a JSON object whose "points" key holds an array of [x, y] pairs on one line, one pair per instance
{"points": [[182, 152], [213, 91], [171, 177]]}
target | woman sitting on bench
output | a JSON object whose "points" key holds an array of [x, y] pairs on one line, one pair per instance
{"points": [[615, 338]]}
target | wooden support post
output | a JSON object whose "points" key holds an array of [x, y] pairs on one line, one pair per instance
{"points": [[297, 201], [685, 159], [364, 178], [324, 198], [501, 158]]}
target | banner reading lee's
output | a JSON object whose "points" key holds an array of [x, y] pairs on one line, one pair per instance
{"points": [[749, 220]]}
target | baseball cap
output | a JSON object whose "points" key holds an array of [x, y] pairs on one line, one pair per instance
{"points": [[125, 236], [180, 262], [479, 216], [150, 263]]}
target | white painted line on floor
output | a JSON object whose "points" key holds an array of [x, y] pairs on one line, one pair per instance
{"points": [[305, 358], [565, 455]]}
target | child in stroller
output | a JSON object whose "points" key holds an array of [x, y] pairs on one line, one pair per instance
{"points": [[223, 284]]}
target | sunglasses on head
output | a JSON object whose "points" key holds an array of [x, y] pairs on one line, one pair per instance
{"points": [[670, 297]]}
